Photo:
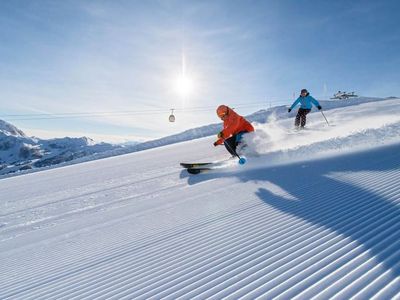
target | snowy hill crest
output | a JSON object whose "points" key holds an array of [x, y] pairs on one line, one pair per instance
{"points": [[19, 152]]}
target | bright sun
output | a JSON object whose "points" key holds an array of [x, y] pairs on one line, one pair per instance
{"points": [[184, 85]]}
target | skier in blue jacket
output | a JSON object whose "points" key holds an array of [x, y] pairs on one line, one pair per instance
{"points": [[306, 102]]}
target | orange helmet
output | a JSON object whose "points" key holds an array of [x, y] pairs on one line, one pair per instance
{"points": [[222, 110]]}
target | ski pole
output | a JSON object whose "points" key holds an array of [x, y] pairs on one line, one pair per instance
{"points": [[242, 160], [325, 118]]}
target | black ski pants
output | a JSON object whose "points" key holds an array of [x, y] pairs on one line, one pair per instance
{"points": [[301, 117], [232, 142]]}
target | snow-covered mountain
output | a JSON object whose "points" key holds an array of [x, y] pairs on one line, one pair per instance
{"points": [[314, 215], [18, 152], [10, 130]]}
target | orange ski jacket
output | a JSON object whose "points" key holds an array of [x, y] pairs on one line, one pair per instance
{"points": [[233, 124]]}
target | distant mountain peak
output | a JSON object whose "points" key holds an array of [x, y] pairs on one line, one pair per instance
{"points": [[19, 152], [9, 129]]}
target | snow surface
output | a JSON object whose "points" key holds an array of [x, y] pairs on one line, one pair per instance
{"points": [[313, 214]]}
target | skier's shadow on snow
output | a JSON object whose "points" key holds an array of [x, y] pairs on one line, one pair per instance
{"points": [[321, 198]]}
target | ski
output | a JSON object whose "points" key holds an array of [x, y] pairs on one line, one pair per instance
{"points": [[196, 168], [194, 165], [205, 164]]}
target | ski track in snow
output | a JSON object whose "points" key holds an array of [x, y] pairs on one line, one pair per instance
{"points": [[317, 219]]}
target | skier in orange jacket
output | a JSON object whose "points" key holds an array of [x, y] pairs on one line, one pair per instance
{"points": [[234, 128]]}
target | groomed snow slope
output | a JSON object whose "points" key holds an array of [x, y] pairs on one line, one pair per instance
{"points": [[317, 217]]}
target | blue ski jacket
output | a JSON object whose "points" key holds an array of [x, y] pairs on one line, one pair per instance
{"points": [[305, 102]]}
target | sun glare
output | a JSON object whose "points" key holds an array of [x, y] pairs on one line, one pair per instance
{"points": [[184, 85]]}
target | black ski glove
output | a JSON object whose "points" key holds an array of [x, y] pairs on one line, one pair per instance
{"points": [[215, 144], [319, 107], [289, 110]]}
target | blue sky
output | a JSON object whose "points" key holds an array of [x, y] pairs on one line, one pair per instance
{"points": [[125, 56]]}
